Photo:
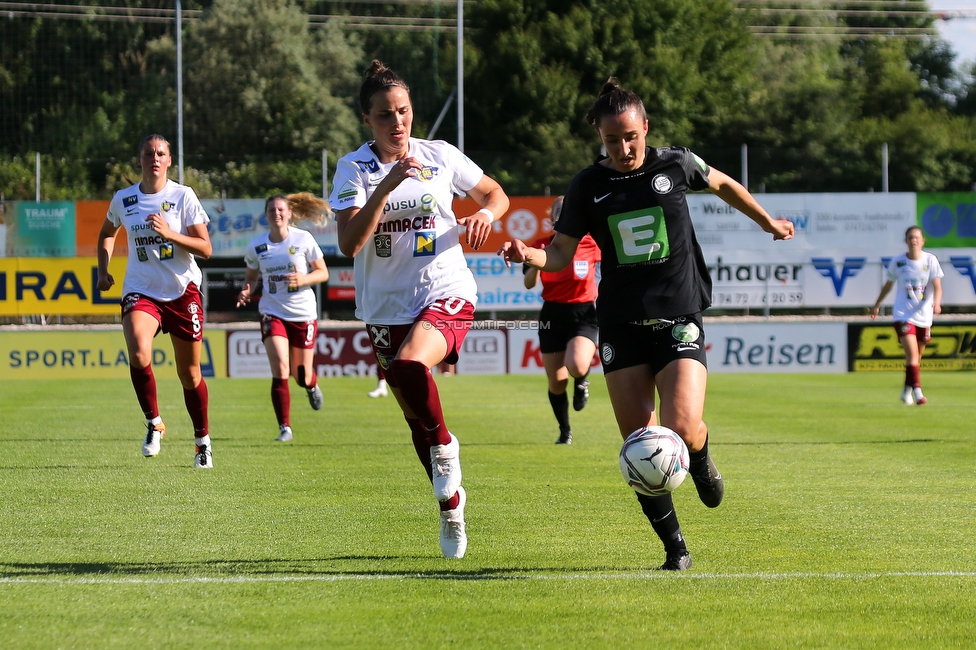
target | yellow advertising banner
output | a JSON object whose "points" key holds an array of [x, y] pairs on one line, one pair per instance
{"points": [[57, 286], [87, 354], [876, 347]]}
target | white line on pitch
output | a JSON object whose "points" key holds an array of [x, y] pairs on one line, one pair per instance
{"points": [[488, 577]]}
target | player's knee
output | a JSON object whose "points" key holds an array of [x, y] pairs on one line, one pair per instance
{"points": [[406, 371]]}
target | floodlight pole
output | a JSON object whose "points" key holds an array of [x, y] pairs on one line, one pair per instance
{"points": [[884, 167], [179, 89], [460, 73]]}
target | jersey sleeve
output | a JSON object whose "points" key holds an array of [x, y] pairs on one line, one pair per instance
{"points": [[572, 220], [312, 249], [348, 189], [936, 270], [251, 257], [892, 271], [465, 174], [193, 212], [115, 210], [696, 170]]}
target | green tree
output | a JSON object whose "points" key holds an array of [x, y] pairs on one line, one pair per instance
{"points": [[258, 82], [538, 65]]}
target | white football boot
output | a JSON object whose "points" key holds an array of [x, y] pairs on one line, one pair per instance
{"points": [[154, 433], [919, 398], [380, 390], [285, 435], [203, 459], [454, 539], [445, 462], [906, 396]]}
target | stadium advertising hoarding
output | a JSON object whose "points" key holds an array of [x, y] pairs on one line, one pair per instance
{"points": [[342, 352], [875, 347], [100, 354], [235, 222], [346, 352], [500, 287], [524, 354], [484, 352], [45, 229], [68, 286], [491, 348], [837, 258], [776, 347]]}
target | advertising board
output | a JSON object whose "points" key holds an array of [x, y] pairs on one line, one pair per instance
{"points": [[101, 354], [875, 347], [235, 222], [525, 356], [62, 285], [342, 352], [776, 347]]}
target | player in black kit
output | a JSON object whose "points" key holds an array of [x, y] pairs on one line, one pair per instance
{"points": [[655, 285]]}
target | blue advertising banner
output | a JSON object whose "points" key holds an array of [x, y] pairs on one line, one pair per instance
{"points": [[45, 229]]}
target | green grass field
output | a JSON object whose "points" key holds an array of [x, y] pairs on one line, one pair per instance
{"points": [[848, 522]]}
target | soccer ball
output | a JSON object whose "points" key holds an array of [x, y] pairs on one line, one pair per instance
{"points": [[654, 460]]}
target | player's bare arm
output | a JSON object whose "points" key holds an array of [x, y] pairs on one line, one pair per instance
{"points": [[250, 279], [319, 273], [732, 192], [494, 204], [106, 246], [881, 296], [196, 240], [554, 257]]}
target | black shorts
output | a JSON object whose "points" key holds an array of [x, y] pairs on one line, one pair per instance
{"points": [[656, 341], [561, 321]]}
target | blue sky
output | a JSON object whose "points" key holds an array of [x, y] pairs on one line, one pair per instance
{"points": [[960, 32]]}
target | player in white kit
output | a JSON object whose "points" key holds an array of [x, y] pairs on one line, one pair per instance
{"points": [[918, 297], [288, 261], [167, 229], [393, 201]]}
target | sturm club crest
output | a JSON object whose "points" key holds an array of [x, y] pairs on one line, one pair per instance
{"points": [[606, 353], [687, 336], [662, 184]]}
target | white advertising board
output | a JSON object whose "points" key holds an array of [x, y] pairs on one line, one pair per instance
{"points": [[776, 347], [484, 352], [246, 356], [863, 222], [235, 222], [500, 287]]}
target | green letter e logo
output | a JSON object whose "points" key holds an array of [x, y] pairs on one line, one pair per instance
{"points": [[640, 235]]}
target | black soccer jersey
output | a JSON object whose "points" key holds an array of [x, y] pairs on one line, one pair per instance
{"points": [[652, 266]]}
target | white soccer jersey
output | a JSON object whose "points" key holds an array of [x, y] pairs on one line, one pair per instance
{"points": [[157, 267], [276, 259], [415, 255], [914, 298]]}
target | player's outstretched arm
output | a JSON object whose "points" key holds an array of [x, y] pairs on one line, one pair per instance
{"points": [[881, 296], [554, 257], [732, 192]]}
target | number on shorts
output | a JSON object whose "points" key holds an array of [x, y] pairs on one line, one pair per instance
{"points": [[450, 305]]}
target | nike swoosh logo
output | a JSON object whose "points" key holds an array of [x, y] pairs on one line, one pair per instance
{"points": [[597, 200]]}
